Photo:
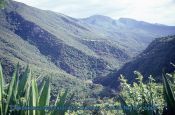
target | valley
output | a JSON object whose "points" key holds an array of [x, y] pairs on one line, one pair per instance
{"points": [[85, 55]]}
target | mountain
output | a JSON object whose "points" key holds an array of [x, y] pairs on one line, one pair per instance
{"points": [[152, 61], [72, 51], [136, 35], [64, 42], [158, 29]]}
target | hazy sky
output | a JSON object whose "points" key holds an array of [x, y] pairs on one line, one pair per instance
{"points": [[154, 11]]}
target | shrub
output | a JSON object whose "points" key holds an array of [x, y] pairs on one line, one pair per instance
{"points": [[134, 98]]}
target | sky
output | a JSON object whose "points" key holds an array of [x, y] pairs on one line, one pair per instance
{"points": [[153, 11]]}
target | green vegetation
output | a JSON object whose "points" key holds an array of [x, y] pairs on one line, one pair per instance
{"points": [[74, 46], [23, 92], [169, 95], [139, 98], [148, 98], [24, 96], [14, 49], [71, 53], [2, 3], [159, 53]]}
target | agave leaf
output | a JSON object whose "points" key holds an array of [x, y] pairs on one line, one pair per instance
{"points": [[16, 83], [14, 98], [61, 98], [27, 97], [61, 102], [168, 93], [45, 96], [24, 89], [36, 89], [24, 82], [36, 95], [41, 86], [33, 96], [10, 91], [1, 90]]}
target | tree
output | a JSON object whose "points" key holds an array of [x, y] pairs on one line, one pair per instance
{"points": [[2, 3]]}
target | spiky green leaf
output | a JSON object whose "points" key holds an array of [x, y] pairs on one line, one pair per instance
{"points": [[24, 82], [45, 96], [1, 90], [168, 93], [10, 90]]}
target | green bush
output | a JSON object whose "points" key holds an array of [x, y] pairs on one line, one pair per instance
{"points": [[147, 98]]}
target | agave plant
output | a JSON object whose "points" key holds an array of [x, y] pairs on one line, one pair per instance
{"points": [[22, 96], [169, 97]]}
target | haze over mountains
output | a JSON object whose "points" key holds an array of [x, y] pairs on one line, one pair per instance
{"points": [[77, 49]]}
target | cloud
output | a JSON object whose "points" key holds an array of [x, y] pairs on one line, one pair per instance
{"points": [[155, 11]]}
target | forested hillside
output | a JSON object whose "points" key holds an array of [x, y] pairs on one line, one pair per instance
{"points": [[156, 58]]}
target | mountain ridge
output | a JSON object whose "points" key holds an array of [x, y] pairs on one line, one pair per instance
{"points": [[73, 47], [155, 59]]}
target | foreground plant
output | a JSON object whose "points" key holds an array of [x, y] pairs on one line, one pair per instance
{"points": [[169, 97], [149, 98], [140, 98], [22, 96]]}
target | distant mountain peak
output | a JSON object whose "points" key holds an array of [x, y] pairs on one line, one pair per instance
{"points": [[131, 21], [123, 18], [98, 19]]}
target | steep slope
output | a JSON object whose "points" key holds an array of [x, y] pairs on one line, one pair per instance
{"points": [[66, 41], [73, 47], [14, 49], [157, 56], [50, 46], [26, 42]]}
